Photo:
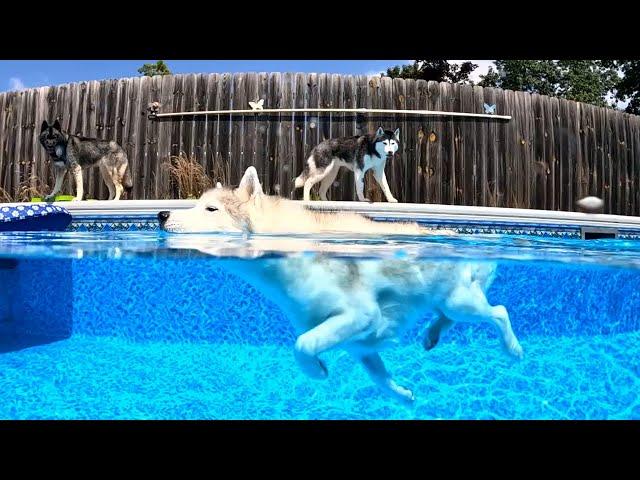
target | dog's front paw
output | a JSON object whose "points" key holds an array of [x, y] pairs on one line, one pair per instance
{"points": [[77, 199], [393, 200], [430, 341], [515, 350], [403, 394]]}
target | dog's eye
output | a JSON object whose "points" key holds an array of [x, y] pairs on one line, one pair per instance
{"points": [[212, 209]]}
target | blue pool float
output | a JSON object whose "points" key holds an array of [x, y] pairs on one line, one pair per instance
{"points": [[33, 218]]}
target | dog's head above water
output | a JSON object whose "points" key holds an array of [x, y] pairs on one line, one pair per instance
{"points": [[247, 209], [218, 210]]}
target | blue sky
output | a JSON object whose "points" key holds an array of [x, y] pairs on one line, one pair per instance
{"points": [[19, 74]]}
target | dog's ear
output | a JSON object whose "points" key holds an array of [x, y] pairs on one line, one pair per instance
{"points": [[56, 125], [380, 131], [250, 183], [44, 126], [397, 134]]}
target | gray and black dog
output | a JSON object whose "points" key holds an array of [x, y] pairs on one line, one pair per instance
{"points": [[358, 154], [74, 153]]}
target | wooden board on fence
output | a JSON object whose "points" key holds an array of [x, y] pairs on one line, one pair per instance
{"points": [[284, 162], [250, 123], [273, 143], [300, 119], [467, 148], [201, 124], [435, 147], [263, 125]]}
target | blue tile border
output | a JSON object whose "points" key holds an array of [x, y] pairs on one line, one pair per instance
{"points": [[149, 223]]}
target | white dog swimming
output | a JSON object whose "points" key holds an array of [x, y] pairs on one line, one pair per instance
{"points": [[360, 305], [248, 209]]}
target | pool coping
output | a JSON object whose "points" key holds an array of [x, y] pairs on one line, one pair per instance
{"points": [[141, 214]]}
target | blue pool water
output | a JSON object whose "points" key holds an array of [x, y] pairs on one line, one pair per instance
{"points": [[147, 326]]}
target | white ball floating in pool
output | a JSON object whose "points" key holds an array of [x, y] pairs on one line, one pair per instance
{"points": [[590, 204]]}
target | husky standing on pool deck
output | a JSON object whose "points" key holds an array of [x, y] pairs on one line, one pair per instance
{"points": [[74, 153], [358, 154]]}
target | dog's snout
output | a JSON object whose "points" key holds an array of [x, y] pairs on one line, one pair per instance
{"points": [[163, 216]]}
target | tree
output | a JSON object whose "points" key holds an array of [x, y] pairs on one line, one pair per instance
{"points": [[539, 76], [588, 81], [436, 70], [151, 69], [628, 87]]}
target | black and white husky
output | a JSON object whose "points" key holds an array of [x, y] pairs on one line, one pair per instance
{"points": [[358, 154]]}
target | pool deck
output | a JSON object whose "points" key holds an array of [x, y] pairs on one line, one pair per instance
{"points": [[398, 211], [97, 215]]}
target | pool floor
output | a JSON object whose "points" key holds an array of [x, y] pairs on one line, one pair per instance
{"points": [[88, 377]]}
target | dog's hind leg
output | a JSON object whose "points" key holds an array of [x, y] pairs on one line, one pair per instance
{"points": [[374, 366], [434, 331], [116, 176], [77, 173], [106, 176], [315, 178], [330, 333], [469, 304], [359, 179], [327, 181]]}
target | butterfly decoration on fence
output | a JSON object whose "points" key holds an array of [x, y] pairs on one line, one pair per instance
{"points": [[490, 109], [257, 105]]}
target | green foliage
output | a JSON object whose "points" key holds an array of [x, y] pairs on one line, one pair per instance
{"points": [[628, 88], [151, 69], [588, 81], [436, 70]]}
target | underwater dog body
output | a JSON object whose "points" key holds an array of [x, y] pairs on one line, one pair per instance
{"points": [[364, 305], [358, 154], [74, 153], [361, 305]]}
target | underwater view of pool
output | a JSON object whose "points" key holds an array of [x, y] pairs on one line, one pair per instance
{"points": [[148, 325]]}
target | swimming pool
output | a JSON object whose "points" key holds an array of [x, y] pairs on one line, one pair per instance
{"points": [[144, 325]]}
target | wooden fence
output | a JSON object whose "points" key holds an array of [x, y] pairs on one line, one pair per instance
{"points": [[549, 154]]}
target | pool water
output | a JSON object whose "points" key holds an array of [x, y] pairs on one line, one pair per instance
{"points": [[152, 326]]}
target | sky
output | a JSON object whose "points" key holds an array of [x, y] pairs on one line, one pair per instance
{"points": [[21, 74]]}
